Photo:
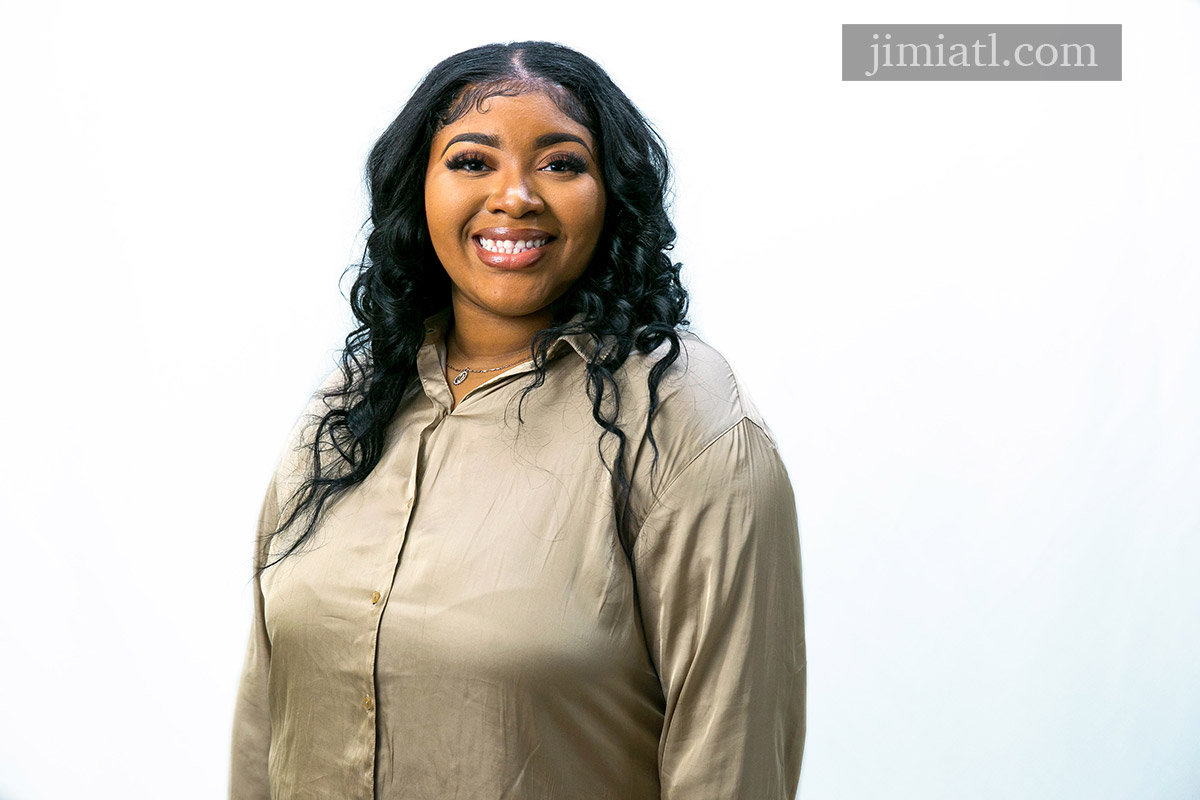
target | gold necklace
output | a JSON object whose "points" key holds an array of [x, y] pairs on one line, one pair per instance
{"points": [[462, 376]]}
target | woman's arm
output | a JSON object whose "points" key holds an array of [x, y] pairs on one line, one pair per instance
{"points": [[252, 714], [718, 575]]}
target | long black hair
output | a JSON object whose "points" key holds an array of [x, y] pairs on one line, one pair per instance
{"points": [[630, 295]]}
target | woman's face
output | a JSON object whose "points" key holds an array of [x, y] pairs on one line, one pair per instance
{"points": [[514, 201]]}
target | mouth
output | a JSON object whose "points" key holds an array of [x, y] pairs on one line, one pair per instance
{"points": [[511, 248]]}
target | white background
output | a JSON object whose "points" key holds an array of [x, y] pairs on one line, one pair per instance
{"points": [[970, 312]]}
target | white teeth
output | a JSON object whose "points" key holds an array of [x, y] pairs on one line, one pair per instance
{"points": [[510, 246]]}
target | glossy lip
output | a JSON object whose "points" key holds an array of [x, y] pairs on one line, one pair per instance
{"points": [[513, 260], [509, 260]]}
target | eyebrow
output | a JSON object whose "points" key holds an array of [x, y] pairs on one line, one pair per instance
{"points": [[545, 140]]}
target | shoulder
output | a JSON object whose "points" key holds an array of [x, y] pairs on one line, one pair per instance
{"points": [[700, 392], [701, 403]]}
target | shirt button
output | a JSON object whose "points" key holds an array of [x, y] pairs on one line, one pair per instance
{"points": [[367, 703], [374, 598]]}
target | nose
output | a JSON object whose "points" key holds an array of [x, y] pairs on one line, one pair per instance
{"points": [[515, 195]]}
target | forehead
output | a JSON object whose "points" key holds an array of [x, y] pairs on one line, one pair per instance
{"points": [[533, 111]]}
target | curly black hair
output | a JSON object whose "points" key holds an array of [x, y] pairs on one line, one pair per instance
{"points": [[630, 295]]}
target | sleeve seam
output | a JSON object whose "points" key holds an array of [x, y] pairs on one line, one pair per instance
{"points": [[765, 432], [671, 483]]}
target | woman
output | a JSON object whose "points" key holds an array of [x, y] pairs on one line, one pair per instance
{"points": [[533, 540]]}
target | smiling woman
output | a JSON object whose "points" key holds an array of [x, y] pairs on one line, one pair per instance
{"points": [[512, 159], [597, 596]]}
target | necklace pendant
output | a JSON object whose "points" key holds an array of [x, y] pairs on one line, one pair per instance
{"points": [[460, 377]]}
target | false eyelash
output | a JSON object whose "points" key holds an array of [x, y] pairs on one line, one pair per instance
{"points": [[461, 159], [573, 162]]}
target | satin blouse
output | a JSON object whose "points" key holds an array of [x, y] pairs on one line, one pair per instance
{"points": [[466, 625]]}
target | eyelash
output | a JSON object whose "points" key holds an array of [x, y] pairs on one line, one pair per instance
{"points": [[570, 161]]}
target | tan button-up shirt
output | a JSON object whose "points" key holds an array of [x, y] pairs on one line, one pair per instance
{"points": [[466, 624]]}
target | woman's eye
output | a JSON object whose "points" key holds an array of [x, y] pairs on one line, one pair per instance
{"points": [[470, 162], [567, 163], [467, 162]]}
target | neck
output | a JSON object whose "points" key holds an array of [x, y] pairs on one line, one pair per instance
{"points": [[483, 339]]}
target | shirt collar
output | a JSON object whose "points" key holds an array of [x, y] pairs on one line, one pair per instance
{"points": [[581, 343]]}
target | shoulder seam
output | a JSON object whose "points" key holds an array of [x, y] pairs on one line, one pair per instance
{"points": [[667, 488], [765, 432]]}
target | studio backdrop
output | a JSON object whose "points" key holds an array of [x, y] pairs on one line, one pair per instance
{"points": [[968, 310]]}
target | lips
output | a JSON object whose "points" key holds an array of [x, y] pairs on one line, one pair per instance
{"points": [[498, 239]]}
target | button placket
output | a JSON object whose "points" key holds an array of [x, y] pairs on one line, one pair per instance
{"points": [[409, 453]]}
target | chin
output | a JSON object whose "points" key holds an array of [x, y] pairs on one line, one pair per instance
{"points": [[515, 307]]}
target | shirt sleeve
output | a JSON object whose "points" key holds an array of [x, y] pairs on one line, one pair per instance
{"points": [[717, 562], [252, 715]]}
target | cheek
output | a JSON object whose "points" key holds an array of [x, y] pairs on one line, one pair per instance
{"points": [[443, 236], [432, 212], [587, 211], [443, 211]]}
